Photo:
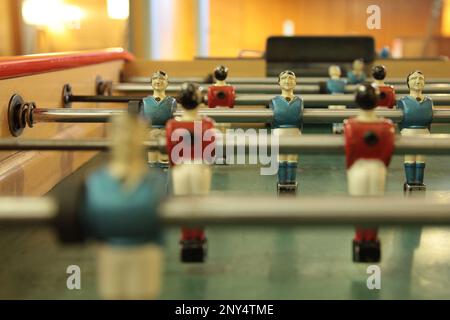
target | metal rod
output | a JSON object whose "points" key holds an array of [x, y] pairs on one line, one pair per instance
{"points": [[229, 211], [435, 144], [101, 99], [274, 88], [74, 115], [323, 100], [55, 145], [274, 80], [27, 211], [310, 100], [225, 115], [266, 211], [70, 145]]}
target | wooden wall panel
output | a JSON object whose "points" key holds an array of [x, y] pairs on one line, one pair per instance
{"points": [[238, 25], [196, 68], [97, 31], [257, 68], [6, 41]]}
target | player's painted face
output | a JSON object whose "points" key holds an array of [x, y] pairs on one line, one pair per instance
{"points": [[288, 81], [334, 71], [416, 81], [159, 83], [358, 65]]}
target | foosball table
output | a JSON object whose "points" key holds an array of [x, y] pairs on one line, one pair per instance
{"points": [[342, 198]]}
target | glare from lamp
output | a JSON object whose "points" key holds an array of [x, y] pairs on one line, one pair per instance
{"points": [[52, 14], [40, 12], [118, 9]]}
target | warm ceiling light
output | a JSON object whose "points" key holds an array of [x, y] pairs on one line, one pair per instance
{"points": [[53, 14], [118, 9], [39, 12]]}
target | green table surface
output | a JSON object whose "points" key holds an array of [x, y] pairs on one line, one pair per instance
{"points": [[255, 263]]}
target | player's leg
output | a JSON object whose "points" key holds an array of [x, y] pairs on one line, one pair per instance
{"points": [[163, 159], [338, 128], [366, 178], [282, 161], [130, 272], [292, 161], [153, 155], [420, 162], [197, 178]]}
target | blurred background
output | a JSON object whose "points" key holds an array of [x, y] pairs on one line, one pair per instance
{"points": [[186, 29]]}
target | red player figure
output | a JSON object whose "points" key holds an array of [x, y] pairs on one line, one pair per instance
{"points": [[369, 144], [387, 92], [190, 146], [221, 94]]}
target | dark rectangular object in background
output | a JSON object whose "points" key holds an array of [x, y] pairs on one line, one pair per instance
{"points": [[311, 56]]}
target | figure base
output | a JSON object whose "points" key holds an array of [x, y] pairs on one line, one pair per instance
{"points": [[193, 251], [366, 251], [287, 188], [416, 187]]}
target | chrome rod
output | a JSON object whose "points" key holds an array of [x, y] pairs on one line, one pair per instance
{"points": [[74, 115], [266, 211], [225, 115], [27, 210], [435, 144], [229, 211], [309, 100], [273, 88], [274, 80], [323, 100]]}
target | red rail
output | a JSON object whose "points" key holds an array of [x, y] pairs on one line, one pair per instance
{"points": [[12, 67]]}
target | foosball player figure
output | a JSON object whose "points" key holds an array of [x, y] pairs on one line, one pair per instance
{"points": [[158, 109], [221, 94], [369, 144], [287, 121], [119, 209], [336, 85], [190, 145], [387, 92], [417, 118], [385, 53], [356, 75]]}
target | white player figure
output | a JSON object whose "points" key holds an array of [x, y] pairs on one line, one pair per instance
{"points": [[287, 121], [356, 75], [336, 85], [369, 146], [417, 117], [158, 109], [191, 164], [130, 257]]}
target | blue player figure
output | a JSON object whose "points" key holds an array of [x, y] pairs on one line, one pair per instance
{"points": [[158, 109], [287, 121], [417, 117], [336, 85], [119, 208], [385, 53], [356, 75]]}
